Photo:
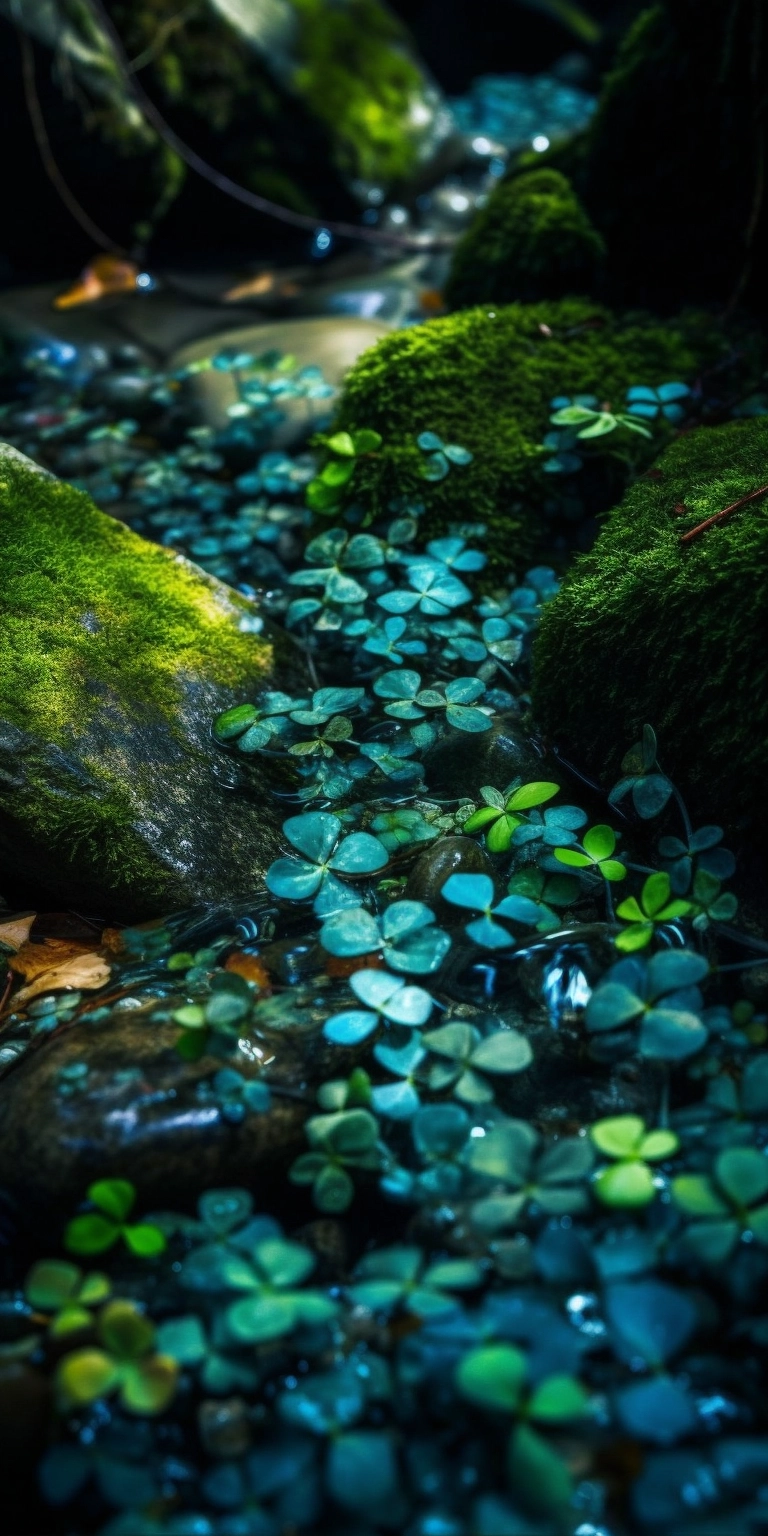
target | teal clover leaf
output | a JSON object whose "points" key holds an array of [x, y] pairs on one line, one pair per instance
{"points": [[649, 404], [275, 1305], [434, 591], [385, 999], [476, 892], [326, 854], [700, 851], [399, 1100], [345, 1139], [661, 997], [405, 934], [391, 1278], [726, 1204], [650, 788], [391, 641], [466, 1056], [551, 1176]]}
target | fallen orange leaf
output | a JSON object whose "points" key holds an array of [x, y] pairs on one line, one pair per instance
{"points": [[250, 967], [16, 932], [103, 275]]}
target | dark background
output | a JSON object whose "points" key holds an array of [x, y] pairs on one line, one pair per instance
{"points": [[457, 40]]}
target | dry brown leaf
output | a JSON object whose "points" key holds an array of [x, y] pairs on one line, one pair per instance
{"points": [[33, 959], [16, 933], [82, 972], [112, 941]]}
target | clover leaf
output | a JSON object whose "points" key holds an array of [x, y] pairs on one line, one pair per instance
{"points": [[272, 1275], [399, 1100], [346, 1139], [629, 1182], [399, 1277], [466, 1056], [552, 1176], [387, 999], [724, 1205], [650, 788], [477, 894], [661, 996], [125, 1363], [434, 591], [596, 852], [97, 1231], [59, 1288], [405, 934], [501, 816], [391, 641], [327, 854], [643, 916], [493, 1376]]}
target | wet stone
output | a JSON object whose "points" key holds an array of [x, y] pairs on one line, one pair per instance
{"points": [[147, 1115]]}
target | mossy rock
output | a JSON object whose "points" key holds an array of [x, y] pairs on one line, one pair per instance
{"points": [[484, 379], [117, 655], [532, 240], [646, 628], [672, 166]]}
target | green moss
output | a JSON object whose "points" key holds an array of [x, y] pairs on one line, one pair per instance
{"points": [[532, 240], [121, 613], [103, 635], [484, 379], [647, 629], [358, 80]]}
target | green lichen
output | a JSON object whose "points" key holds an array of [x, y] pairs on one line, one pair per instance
{"points": [[99, 625], [648, 629], [484, 379], [532, 240]]}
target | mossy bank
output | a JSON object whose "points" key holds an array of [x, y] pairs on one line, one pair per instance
{"points": [[647, 628], [117, 655], [484, 379], [532, 240]]}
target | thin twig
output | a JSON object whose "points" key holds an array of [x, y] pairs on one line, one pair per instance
{"points": [[46, 154], [719, 517]]}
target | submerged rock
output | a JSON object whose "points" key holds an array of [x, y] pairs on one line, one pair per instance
{"points": [[484, 379], [140, 1111], [649, 629], [117, 656]]}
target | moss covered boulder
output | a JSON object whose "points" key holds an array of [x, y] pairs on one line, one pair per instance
{"points": [[649, 628], [117, 655], [672, 166], [484, 379], [532, 240]]}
